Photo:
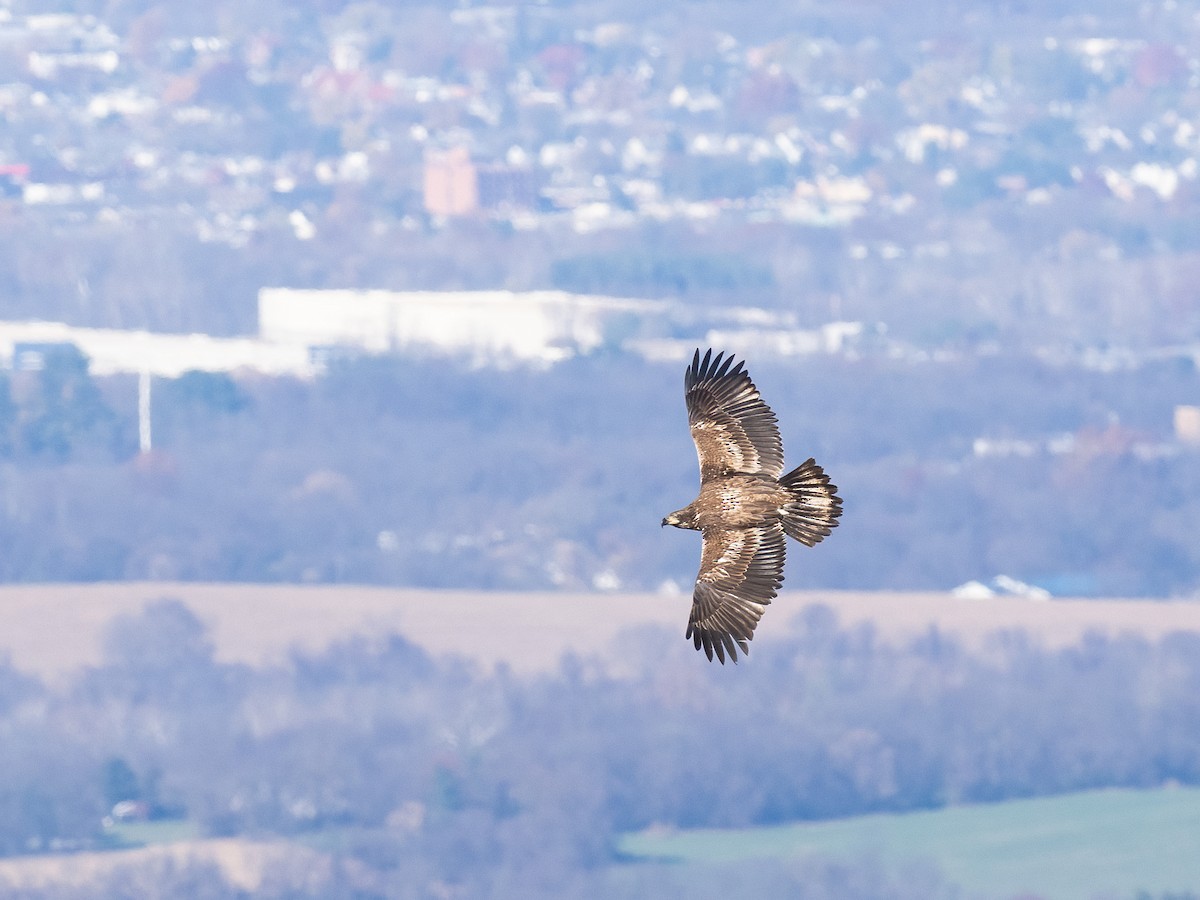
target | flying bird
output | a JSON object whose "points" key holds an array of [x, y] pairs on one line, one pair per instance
{"points": [[746, 504]]}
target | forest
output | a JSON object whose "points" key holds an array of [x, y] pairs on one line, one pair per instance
{"points": [[419, 471], [416, 776]]}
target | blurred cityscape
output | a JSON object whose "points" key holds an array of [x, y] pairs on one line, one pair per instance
{"points": [[1007, 174]]}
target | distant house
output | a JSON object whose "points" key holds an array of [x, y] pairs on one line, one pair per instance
{"points": [[13, 177], [451, 183], [130, 811], [1187, 425], [50, 65], [30, 356]]}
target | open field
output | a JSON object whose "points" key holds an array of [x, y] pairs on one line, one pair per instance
{"points": [[1084, 846], [242, 862], [52, 629], [1109, 843]]}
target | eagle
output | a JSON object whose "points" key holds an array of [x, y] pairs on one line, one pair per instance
{"points": [[746, 504]]}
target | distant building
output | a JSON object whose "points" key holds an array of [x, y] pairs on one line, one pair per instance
{"points": [[50, 65], [301, 332], [25, 345], [451, 183], [488, 326], [539, 327], [1000, 586], [13, 177], [30, 356], [1187, 425], [456, 186], [507, 186]]}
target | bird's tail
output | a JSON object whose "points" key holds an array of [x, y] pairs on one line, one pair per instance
{"points": [[814, 506]]}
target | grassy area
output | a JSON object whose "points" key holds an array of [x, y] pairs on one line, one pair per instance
{"points": [[1111, 842], [148, 834]]}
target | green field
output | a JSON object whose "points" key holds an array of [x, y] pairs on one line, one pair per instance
{"points": [[1111, 843], [144, 834]]}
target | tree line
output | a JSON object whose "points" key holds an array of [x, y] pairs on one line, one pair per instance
{"points": [[520, 479], [416, 771]]}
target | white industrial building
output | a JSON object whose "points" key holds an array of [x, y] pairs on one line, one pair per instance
{"points": [[299, 329], [485, 326], [111, 350]]}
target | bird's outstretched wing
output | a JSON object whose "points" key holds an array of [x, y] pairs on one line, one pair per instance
{"points": [[741, 570], [734, 430]]}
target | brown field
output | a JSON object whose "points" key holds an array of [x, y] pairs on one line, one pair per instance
{"points": [[52, 629], [243, 863]]}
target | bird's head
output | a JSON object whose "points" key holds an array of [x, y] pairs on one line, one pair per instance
{"points": [[681, 518]]}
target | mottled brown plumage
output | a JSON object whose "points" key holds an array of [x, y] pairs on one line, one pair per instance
{"points": [[745, 507]]}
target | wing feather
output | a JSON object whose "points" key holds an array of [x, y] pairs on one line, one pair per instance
{"points": [[734, 430], [741, 570]]}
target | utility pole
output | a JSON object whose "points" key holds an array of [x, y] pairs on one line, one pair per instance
{"points": [[144, 411]]}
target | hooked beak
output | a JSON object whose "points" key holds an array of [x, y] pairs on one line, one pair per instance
{"points": [[664, 523]]}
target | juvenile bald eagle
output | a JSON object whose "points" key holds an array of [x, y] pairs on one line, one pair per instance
{"points": [[746, 505]]}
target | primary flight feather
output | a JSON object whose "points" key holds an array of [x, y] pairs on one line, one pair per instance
{"points": [[746, 504]]}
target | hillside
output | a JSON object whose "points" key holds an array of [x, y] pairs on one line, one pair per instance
{"points": [[390, 742]]}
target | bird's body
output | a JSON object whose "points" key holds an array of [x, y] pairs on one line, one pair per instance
{"points": [[737, 500], [745, 507]]}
